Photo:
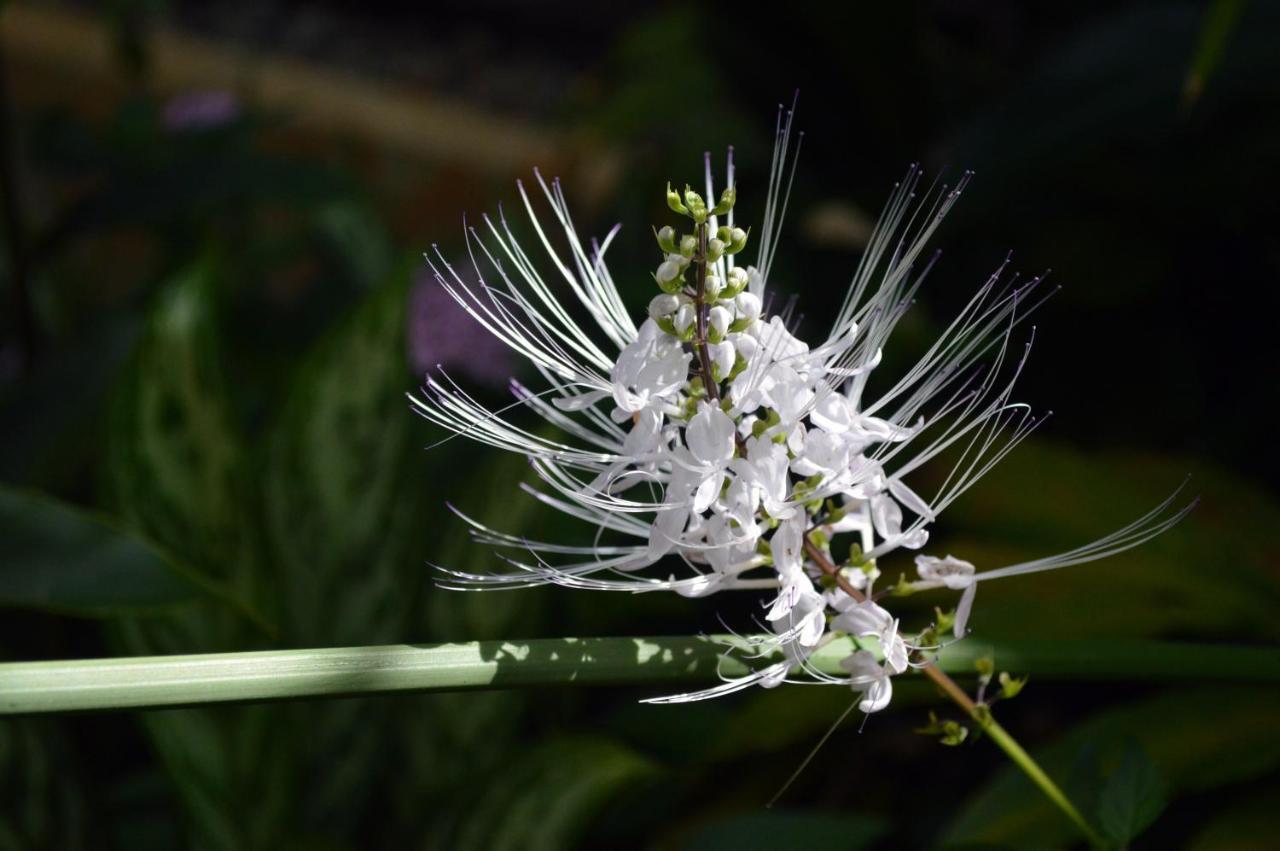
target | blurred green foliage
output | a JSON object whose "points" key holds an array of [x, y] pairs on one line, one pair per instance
{"points": [[213, 452]]}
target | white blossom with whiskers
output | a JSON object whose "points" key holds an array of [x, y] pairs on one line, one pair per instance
{"points": [[710, 433]]}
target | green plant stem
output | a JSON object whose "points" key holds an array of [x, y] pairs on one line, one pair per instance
{"points": [[165, 681], [981, 714], [1032, 769], [978, 712]]}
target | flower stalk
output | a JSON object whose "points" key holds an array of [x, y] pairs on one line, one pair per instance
{"points": [[216, 678], [701, 307]]}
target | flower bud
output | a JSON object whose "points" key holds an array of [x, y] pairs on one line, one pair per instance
{"points": [[685, 315], [747, 305], [718, 319], [673, 201], [722, 357], [670, 277], [688, 245], [663, 305], [667, 272], [715, 250], [696, 207], [727, 199], [737, 282], [712, 287], [737, 241], [667, 239]]}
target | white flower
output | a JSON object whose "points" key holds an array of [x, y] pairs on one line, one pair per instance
{"points": [[712, 422], [867, 675]]}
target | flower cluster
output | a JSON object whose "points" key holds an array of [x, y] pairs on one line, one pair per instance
{"points": [[713, 437]]}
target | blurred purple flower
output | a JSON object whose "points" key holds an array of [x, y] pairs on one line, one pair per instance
{"points": [[441, 333], [201, 110]]}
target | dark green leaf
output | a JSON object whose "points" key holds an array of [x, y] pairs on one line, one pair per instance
{"points": [[1248, 824], [174, 452], [781, 829], [1219, 22], [341, 531], [1132, 796], [42, 792], [1201, 738], [63, 559], [547, 797]]}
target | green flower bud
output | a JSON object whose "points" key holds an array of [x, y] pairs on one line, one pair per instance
{"points": [[715, 250], [737, 240], [712, 287], [663, 305], [985, 666], [666, 239], [673, 201], [727, 198], [668, 271], [949, 733], [688, 245], [944, 620], [736, 283], [697, 208], [1010, 686]]}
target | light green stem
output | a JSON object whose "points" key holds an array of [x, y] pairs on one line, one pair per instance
{"points": [[163, 681], [1023, 760]]}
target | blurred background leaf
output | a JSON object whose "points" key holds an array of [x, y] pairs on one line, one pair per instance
{"points": [[1197, 740], [69, 561]]}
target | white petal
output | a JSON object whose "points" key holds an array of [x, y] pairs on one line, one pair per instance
{"points": [[886, 515], [710, 436], [963, 610], [707, 492]]}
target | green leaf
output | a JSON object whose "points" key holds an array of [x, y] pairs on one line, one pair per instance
{"points": [[174, 454], [1248, 824], [780, 829], [361, 242], [546, 798], [341, 529], [1132, 796], [42, 788], [1219, 22], [63, 559], [1233, 741]]}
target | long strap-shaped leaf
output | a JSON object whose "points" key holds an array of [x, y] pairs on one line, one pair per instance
{"points": [[162, 681]]}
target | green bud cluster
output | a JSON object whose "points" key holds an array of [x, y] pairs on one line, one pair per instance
{"points": [[950, 733], [680, 248], [692, 205]]}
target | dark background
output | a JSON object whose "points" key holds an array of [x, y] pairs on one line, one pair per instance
{"points": [[214, 215]]}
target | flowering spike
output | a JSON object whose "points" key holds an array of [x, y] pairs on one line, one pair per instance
{"points": [[713, 435]]}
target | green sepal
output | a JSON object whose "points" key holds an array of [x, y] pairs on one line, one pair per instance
{"points": [[727, 199], [666, 239], [673, 201], [1010, 686]]}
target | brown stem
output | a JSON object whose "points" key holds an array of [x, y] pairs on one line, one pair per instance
{"points": [[701, 309]]}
